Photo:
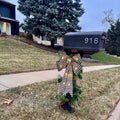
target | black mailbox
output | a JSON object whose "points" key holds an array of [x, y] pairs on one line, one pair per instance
{"points": [[84, 42]]}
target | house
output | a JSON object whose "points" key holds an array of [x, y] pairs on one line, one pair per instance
{"points": [[40, 39], [8, 22]]}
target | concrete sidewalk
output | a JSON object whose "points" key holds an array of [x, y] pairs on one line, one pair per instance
{"points": [[21, 79]]}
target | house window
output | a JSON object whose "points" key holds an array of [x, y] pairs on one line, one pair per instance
{"points": [[1, 27], [5, 28], [8, 27]]}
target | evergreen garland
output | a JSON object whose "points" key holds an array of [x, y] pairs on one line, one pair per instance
{"points": [[76, 92]]}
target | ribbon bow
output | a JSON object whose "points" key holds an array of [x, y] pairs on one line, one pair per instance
{"points": [[72, 65]]}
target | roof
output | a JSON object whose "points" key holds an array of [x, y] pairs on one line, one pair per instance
{"points": [[6, 3], [87, 33], [9, 20]]}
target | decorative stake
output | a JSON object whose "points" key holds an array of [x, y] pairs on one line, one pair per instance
{"points": [[67, 86]]}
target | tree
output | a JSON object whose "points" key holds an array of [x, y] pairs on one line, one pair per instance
{"points": [[108, 17], [113, 35], [51, 18]]}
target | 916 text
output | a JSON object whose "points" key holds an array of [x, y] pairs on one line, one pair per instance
{"points": [[91, 40]]}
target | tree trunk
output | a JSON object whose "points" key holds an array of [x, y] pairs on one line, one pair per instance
{"points": [[52, 43]]}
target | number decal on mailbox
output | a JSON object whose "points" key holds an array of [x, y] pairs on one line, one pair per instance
{"points": [[96, 41], [86, 40], [91, 40]]}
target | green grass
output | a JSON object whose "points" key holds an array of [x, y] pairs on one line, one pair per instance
{"points": [[17, 56], [105, 59], [101, 90]]}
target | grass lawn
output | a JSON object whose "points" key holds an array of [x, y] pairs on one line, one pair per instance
{"points": [[101, 90], [105, 59], [90, 64], [16, 56]]}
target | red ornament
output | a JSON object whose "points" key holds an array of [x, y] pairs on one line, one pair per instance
{"points": [[61, 104], [73, 78]]}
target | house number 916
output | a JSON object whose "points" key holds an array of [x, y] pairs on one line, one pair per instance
{"points": [[91, 40]]}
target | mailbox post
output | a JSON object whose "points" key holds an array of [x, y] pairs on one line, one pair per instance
{"points": [[75, 43]]}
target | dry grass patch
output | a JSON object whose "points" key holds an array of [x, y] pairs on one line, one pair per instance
{"points": [[38, 101], [91, 64], [17, 56]]}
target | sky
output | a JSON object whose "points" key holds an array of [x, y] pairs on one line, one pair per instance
{"points": [[93, 16]]}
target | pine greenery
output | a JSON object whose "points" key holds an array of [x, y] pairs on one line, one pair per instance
{"points": [[51, 18], [113, 35], [76, 92]]}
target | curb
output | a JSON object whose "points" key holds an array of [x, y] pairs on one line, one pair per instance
{"points": [[115, 114]]}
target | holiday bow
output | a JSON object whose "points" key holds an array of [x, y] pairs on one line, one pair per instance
{"points": [[72, 65]]}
